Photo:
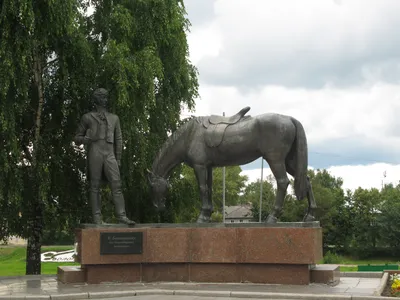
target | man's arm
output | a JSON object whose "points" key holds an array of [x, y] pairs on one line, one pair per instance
{"points": [[118, 141], [80, 137]]}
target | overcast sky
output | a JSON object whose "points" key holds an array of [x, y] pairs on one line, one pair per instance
{"points": [[332, 64]]}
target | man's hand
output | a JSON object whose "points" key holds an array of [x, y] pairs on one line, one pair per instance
{"points": [[119, 163], [87, 140]]}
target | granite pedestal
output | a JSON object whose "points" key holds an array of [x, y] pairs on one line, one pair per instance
{"points": [[283, 253]]}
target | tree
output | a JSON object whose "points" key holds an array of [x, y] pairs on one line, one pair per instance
{"points": [[42, 46], [389, 217], [52, 57], [365, 205], [184, 202], [234, 185], [332, 211], [251, 195]]}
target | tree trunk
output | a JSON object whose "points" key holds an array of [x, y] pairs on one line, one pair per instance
{"points": [[35, 223], [38, 80], [33, 261]]}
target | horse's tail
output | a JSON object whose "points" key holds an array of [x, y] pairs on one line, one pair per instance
{"points": [[301, 161]]}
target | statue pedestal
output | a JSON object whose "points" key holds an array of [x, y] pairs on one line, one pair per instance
{"points": [[283, 253]]}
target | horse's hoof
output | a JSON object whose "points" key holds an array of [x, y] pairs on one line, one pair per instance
{"points": [[308, 218], [271, 219]]}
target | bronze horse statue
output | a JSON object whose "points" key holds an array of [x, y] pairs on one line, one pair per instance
{"points": [[215, 141]]}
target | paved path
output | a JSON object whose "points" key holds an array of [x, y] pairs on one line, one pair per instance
{"points": [[47, 287], [174, 297]]}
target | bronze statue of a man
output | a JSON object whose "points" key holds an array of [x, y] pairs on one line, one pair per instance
{"points": [[100, 132]]}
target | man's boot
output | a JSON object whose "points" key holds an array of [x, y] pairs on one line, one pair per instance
{"points": [[119, 203], [95, 202]]}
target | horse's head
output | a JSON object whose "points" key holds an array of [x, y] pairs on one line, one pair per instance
{"points": [[159, 187]]}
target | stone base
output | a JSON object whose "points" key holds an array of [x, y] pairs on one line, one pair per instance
{"points": [[71, 274], [256, 253], [205, 273], [329, 274]]}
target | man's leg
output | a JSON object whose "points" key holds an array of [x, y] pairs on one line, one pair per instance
{"points": [[111, 170], [95, 166], [95, 201]]}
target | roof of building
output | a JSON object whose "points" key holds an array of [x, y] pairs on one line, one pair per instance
{"points": [[238, 211]]}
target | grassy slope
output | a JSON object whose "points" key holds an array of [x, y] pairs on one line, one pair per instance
{"points": [[12, 260]]}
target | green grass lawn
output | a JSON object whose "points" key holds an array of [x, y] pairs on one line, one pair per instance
{"points": [[348, 269], [375, 261], [12, 260], [350, 264]]}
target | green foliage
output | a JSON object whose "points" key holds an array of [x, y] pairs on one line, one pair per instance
{"points": [[184, 202], [361, 223], [217, 217], [55, 237], [365, 205], [332, 212], [51, 58], [251, 195], [332, 258], [389, 218], [234, 184]]}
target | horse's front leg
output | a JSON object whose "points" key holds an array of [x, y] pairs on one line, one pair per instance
{"points": [[202, 180]]}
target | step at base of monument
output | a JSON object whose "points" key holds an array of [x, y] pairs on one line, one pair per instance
{"points": [[328, 274], [71, 274], [183, 272]]}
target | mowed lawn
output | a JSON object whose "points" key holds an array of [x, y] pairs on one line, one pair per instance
{"points": [[12, 260], [349, 264]]}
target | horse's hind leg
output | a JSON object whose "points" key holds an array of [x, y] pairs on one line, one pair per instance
{"points": [[282, 181], [312, 206], [309, 216], [202, 173], [209, 186]]}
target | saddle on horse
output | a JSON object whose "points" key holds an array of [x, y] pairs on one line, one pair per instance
{"points": [[216, 125]]}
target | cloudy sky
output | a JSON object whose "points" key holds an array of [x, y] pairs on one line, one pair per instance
{"points": [[332, 64]]}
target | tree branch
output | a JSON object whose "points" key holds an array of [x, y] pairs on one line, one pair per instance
{"points": [[28, 155], [50, 62]]}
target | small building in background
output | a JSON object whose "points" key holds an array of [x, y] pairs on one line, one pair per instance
{"points": [[15, 241], [238, 214]]}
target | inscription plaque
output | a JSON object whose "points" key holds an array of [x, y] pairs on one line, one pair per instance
{"points": [[121, 243]]}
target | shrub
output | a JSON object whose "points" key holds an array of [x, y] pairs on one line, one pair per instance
{"points": [[331, 258]]}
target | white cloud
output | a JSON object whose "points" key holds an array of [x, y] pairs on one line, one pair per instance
{"points": [[364, 176], [328, 113], [367, 176], [333, 65], [308, 42], [198, 48]]}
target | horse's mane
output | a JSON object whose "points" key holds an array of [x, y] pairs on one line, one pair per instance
{"points": [[172, 139]]}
